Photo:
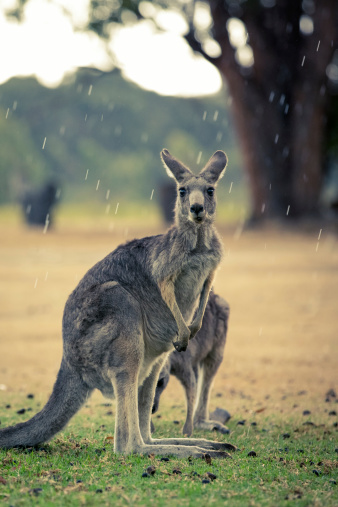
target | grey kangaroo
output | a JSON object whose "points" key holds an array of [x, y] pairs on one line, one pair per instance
{"points": [[127, 312], [197, 366]]}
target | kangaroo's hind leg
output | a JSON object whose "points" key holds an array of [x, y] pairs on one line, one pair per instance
{"points": [[181, 447], [188, 380], [201, 416]]}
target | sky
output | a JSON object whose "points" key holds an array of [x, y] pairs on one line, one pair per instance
{"points": [[47, 46]]}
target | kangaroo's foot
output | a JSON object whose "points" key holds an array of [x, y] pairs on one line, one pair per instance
{"points": [[211, 426], [181, 451], [194, 442]]}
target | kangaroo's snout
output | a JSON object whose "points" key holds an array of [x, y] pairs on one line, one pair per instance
{"points": [[197, 211]]}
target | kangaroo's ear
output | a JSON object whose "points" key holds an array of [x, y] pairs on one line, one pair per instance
{"points": [[175, 169], [215, 167]]}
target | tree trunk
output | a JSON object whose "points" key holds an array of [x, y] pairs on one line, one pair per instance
{"points": [[278, 105]]}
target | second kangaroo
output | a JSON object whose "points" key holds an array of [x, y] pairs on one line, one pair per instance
{"points": [[125, 315]]}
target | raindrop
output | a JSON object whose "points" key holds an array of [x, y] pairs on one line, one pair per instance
{"points": [[152, 193], [44, 143], [219, 136], [15, 104], [282, 99], [276, 138], [287, 211], [215, 115], [204, 115], [230, 187], [7, 113], [286, 110], [107, 194], [318, 45], [87, 174], [320, 233], [199, 157], [117, 207], [90, 89], [58, 193], [317, 246], [36, 283], [45, 229], [86, 117], [271, 97], [28, 209], [263, 207], [101, 117], [98, 184], [107, 208], [303, 61]]}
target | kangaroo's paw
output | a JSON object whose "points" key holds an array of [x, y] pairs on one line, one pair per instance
{"points": [[182, 341]]}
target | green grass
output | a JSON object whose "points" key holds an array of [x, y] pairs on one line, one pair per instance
{"points": [[79, 467]]}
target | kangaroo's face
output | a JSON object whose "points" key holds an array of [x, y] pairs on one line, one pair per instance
{"points": [[196, 196], [196, 200]]}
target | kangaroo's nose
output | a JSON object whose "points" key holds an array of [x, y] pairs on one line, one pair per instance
{"points": [[196, 208]]}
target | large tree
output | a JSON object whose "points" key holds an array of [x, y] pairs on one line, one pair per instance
{"points": [[278, 78], [277, 72]]}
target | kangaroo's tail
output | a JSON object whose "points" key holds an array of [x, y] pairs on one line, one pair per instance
{"points": [[69, 394]]}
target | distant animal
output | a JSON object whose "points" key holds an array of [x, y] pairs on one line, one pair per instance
{"points": [[37, 205], [197, 366], [167, 195], [126, 314]]}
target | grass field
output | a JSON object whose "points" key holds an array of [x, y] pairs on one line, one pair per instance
{"points": [[280, 363]]}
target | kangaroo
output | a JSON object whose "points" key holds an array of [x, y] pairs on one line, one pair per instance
{"points": [[197, 367], [124, 316]]}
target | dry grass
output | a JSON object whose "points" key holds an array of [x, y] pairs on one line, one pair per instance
{"points": [[281, 286]]}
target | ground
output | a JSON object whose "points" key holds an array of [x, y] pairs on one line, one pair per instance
{"points": [[281, 352]]}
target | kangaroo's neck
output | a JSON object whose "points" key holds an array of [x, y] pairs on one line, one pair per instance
{"points": [[195, 236]]}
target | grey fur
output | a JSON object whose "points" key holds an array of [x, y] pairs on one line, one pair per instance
{"points": [[197, 366], [120, 323]]}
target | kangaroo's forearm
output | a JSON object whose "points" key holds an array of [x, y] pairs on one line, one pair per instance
{"points": [[203, 299], [167, 289]]}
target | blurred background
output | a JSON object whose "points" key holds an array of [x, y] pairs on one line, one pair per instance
{"points": [[92, 90]]}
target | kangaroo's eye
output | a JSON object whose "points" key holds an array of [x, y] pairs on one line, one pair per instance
{"points": [[160, 382], [182, 192], [210, 191]]}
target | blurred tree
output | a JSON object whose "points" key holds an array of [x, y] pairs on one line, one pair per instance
{"points": [[275, 57]]}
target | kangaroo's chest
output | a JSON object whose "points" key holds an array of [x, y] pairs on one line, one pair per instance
{"points": [[190, 280]]}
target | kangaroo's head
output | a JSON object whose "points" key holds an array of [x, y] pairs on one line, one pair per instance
{"points": [[196, 195]]}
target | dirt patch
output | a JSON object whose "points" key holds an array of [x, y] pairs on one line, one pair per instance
{"points": [[281, 287]]}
